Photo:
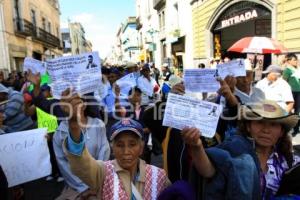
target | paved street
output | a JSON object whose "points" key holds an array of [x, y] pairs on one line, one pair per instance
{"points": [[42, 190]]}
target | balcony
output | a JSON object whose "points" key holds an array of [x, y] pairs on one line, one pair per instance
{"points": [[158, 4], [48, 38], [25, 28]]}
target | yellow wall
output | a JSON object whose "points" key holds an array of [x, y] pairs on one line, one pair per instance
{"points": [[287, 24], [201, 15]]}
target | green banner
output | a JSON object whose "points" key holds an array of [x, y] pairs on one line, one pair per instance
{"points": [[46, 120]]}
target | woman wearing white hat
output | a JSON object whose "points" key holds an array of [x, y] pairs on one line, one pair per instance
{"points": [[249, 165]]}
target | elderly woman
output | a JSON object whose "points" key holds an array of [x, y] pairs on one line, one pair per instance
{"points": [[126, 177], [249, 165]]}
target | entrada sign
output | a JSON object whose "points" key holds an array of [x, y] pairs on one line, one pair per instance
{"points": [[239, 18]]}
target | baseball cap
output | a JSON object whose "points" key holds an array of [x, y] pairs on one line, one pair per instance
{"points": [[45, 87], [128, 125], [272, 68]]}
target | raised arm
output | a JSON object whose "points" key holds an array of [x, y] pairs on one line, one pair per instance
{"points": [[191, 136], [82, 164]]}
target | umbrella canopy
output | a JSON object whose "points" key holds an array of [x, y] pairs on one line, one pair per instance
{"points": [[258, 45]]}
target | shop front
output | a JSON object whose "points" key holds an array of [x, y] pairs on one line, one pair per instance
{"points": [[242, 19]]}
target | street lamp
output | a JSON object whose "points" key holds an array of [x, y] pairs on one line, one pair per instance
{"points": [[152, 32]]}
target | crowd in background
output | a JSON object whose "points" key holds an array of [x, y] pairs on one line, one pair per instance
{"points": [[183, 155]]}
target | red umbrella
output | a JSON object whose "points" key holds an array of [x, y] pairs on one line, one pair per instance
{"points": [[258, 45]]}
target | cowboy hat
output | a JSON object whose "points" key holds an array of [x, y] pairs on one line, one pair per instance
{"points": [[130, 65], [268, 110]]}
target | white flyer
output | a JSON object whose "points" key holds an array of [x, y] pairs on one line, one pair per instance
{"points": [[126, 83], [186, 111], [233, 68], [82, 73], [201, 80], [35, 66], [24, 156]]}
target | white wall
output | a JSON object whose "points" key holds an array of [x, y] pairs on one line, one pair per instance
{"points": [[180, 19]]}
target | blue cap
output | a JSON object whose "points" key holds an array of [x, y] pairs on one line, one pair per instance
{"points": [[45, 87], [126, 125]]}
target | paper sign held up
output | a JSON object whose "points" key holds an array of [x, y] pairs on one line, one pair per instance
{"points": [[185, 111], [46, 120], [36, 66], [24, 156], [82, 73], [233, 68], [201, 80]]}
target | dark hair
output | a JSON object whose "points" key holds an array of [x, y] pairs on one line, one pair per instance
{"points": [[134, 89], [290, 56], [284, 144], [114, 70], [201, 66], [105, 70]]}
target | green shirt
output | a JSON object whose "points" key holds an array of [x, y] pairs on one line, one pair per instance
{"points": [[291, 75]]}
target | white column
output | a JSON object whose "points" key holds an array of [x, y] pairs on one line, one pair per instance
{"points": [[4, 61]]}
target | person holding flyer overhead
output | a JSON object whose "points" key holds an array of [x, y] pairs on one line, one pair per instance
{"points": [[251, 162], [125, 177]]}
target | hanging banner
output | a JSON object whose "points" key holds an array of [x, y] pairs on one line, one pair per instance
{"points": [[259, 67]]}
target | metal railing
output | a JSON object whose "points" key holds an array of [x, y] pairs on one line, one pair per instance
{"points": [[25, 28]]}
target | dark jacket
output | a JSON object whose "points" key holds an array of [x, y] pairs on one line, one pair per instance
{"points": [[52, 106], [177, 153], [3, 185], [237, 172]]}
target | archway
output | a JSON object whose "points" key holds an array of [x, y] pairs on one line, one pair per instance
{"points": [[236, 19]]}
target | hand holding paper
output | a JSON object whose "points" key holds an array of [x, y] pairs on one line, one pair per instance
{"points": [[191, 136], [178, 89], [227, 92], [35, 79]]}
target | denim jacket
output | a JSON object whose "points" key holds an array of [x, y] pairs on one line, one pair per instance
{"points": [[237, 170]]}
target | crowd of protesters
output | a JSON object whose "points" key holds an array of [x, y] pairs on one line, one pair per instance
{"points": [[105, 142]]}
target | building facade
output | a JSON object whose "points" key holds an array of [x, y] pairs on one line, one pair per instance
{"points": [[78, 40], [66, 39], [74, 40], [28, 28], [217, 24], [129, 41], [148, 31], [175, 32]]}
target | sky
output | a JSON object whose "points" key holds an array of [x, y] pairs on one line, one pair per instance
{"points": [[100, 19]]}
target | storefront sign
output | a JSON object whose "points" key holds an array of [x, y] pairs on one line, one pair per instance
{"points": [[239, 18], [241, 12]]}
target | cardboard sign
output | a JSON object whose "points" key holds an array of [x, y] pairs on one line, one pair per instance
{"points": [[24, 156], [46, 120]]}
